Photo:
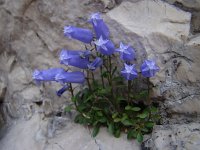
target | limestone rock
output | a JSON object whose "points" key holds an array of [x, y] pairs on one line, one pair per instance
{"points": [[60, 133], [195, 4], [108, 3], [147, 17], [3, 88], [185, 136]]}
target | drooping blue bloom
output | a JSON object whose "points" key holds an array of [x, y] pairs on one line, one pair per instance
{"points": [[129, 72], [78, 59], [83, 35], [62, 90], [149, 68], [70, 77], [127, 53], [46, 75], [105, 47], [99, 26], [95, 64]]}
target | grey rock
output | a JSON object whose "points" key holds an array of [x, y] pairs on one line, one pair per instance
{"points": [[193, 4], [168, 137], [36, 133]]}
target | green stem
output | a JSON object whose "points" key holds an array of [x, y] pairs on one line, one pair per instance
{"points": [[102, 80], [129, 89], [71, 89], [93, 77], [110, 69], [88, 80], [148, 84]]}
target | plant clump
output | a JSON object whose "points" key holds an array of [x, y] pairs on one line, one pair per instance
{"points": [[110, 95]]}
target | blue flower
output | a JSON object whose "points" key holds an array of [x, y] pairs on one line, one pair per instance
{"points": [[70, 77], [46, 75], [127, 53], [129, 72], [62, 90], [95, 64], [83, 35], [105, 47], [78, 59], [99, 26], [149, 68]]}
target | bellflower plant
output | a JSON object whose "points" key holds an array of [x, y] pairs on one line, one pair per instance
{"points": [[127, 53], [105, 47], [129, 72], [83, 35], [110, 95], [99, 26], [46, 75], [70, 77], [95, 64], [75, 58], [149, 68], [62, 90]]}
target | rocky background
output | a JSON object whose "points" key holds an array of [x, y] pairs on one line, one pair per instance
{"points": [[31, 36]]}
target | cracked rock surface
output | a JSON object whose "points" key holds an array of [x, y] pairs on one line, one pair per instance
{"points": [[31, 37]]}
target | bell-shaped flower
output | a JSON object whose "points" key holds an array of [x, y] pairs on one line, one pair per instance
{"points": [[83, 35], [70, 77], [62, 90], [129, 72], [105, 47], [149, 68], [46, 75], [78, 59], [99, 26], [95, 64], [127, 53]]}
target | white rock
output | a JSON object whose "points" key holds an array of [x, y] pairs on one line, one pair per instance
{"points": [[195, 4], [35, 133], [194, 41], [147, 17], [178, 136]]}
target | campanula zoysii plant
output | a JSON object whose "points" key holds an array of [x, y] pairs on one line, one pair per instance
{"points": [[110, 95]]}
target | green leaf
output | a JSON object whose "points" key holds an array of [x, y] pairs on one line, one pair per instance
{"points": [[111, 128], [114, 115], [82, 107], [128, 107], [74, 98], [80, 119], [131, 134], [89, 98], [149, 124], [136, 109], [96, 108], [68, 108], [102, 119], [143, 115], [153, 109], [127, 122], [95, 131], [139, 137], [145, 130], [132, 108], [117, 133], [117, 119], [125, 116], [141, 95], [99, 113]]}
